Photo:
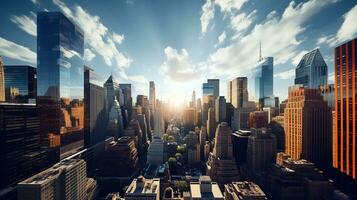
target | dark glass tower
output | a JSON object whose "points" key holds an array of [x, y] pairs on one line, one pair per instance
{"points": [[20, 83], [60, 82], [94, 112], [311, 71], [263, 79]]}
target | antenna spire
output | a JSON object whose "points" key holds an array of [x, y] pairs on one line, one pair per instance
{"points": [[260, 50]]}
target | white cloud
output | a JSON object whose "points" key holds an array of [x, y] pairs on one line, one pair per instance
{"points": [[178, 66], [222, 37], [36, 2], [285, 74], [331, 77], [279, 37], [207, 15], [226, 6], [298, 57], [16, 51], [25, 23], [241, 22], [118, 38], [88, 55], [97, 36]]}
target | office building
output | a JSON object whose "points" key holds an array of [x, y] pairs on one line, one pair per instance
{"points": [[119, 159], [261, 150], [21, 154], [193, 148], [142, 122], [311, 71], [243, 191], [94, 108], [189, 118], [115, 125], [344, 124], [237, 92], [221, 165], [20, 83], [152, 95], [193, 100], [263, 81], [156, 151], [60, 78], [307, 125], [111, 90], [128, 102], [258, 119], [240, 145], [205, 189], [159, 128], [211, 124], [143, 189], [2, 81], [65, 180], [215, 84], [220, 109]]}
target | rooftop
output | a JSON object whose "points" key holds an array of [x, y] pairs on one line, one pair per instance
{"points": [[142, 186], [248, 189], [215, 192]]}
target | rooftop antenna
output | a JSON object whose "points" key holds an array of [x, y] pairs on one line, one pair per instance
{"points": [[260, 50]]}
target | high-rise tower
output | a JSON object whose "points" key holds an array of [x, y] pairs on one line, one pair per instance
{"points": [[2, 81], [152, 95]]}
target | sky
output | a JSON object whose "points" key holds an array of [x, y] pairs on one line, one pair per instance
{"points": [[179, 44]]}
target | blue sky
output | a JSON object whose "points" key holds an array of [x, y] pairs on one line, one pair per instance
{"points": [[181, 43]]}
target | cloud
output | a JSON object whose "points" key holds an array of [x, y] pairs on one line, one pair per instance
{"points": [[241, 22], [178, 66], [36, 2], [286, 74], [25, 23], [222, 37], [226, 7], [97, 36], [88, 55], [282, 43], [16, 51], [331, 77], [347, 31]]}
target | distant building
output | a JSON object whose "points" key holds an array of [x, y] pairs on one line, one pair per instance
{"points": [[311, 71], [111, 88], [328, 94], [193, 148], [237, 92], [220, 109], [159, 128], [261, 150], [240, 119], [128, 102], [344, 123], [94, 108], [156, 151], [189, 118], [243, 191], [205, 189], [152, 95], [307, 124], [2, 81], [258, 119], [142, 122], [263, 80], [143, 189], [20, 83], [65, 180], [282, 106], [215, 84], [271, 112], [211, 124], [115, 124], [221, 166]]}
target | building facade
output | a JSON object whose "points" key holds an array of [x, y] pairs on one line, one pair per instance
{"points": [[344, 129], [2, 81], [263, 81], [238, 92], [307, 125], [60, 78]]}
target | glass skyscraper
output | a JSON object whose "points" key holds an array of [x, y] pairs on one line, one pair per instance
{"points": [[311, 71], [20, 83], [263, 81], [60, 82]]}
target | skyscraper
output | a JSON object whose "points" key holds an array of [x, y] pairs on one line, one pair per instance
{"points": [[152, 95], [345, 122], [220, 109], [263, 80], [194, 99], [238, 92], [128, 102], [94, 108], [211, 124], [221, 166], [311, 71], [60, 46], [2, 81], [215, 84], [20, 83], [110, 87], [307, 124]]}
